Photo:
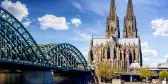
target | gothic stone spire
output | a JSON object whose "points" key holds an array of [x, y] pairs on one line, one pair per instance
{"points": [[112, 26], [130, 11], [130, 30], [112, 9]]}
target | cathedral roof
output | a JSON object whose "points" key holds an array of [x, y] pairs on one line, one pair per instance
{"points": [[99, 41], [129, 41]]}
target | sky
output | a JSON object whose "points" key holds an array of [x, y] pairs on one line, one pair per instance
{"points": [[75, 21]]}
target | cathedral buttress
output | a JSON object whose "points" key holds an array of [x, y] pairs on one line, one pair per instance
{"points": [[90, 54], [130, 30], [112, 25]]}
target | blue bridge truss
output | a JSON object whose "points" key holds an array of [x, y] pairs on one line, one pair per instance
{"points": [[18, 47]]}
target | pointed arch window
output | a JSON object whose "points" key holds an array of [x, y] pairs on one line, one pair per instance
{"points": [[112, 28], [115, 29], [102, 53], [120, 56], [115, 53], [129, 29], [108, 53], [124, 54], [134, 55], [108, 28], [130, 58]]}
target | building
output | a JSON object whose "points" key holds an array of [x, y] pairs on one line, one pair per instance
{"points": [[119, 51]]}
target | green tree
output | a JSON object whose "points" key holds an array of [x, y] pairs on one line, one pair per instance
{"points": [[106, 70], [145, 73], [163, 74]]}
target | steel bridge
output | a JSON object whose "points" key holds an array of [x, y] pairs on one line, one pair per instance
{"points": [[17, 47]]}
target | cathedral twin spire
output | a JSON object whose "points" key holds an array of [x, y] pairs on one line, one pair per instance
{"points": [[112, 9], [130, 11], [112, 26], [130, 30]]}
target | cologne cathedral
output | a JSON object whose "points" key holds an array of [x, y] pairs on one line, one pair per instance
{"points": [[119, 51]]}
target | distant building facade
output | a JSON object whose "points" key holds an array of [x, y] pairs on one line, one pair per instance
{"points": [[118, 51]]}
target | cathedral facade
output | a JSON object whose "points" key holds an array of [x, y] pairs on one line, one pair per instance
{"points": [[119, 51]]}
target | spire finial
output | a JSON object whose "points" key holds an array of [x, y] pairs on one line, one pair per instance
{"points": [[112, 2], [112, 8], [130, 11], [130, 2]]}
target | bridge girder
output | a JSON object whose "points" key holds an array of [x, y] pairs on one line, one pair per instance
{"points": [[19, 38], [69, 52], [16, 44]]}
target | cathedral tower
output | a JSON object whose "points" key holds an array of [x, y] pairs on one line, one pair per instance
{"points": [[130, 30], [120, 52], [112, 25]]}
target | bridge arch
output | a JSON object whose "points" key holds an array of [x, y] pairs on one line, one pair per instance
{"points": [[19, 39], [20, 46], [69, 52]]}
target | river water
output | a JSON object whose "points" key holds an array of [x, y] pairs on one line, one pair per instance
{"points": [[9, 78], [16, 78]]}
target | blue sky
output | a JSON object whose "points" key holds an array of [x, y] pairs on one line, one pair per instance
{"points": [[75, 21]]}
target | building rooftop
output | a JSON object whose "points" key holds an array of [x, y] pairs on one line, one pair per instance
{"points": [[129, 41], [99, 41]]}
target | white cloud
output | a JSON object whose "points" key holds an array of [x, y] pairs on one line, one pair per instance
{"points": [[149, 53], [153, 61], [26, 22], [146, 52], [146, 59], [82, 36], [153, 65], [150, 56], [76, 21], [51, 21], [77, 5], [19, 10], [160, 60], [160, 26], [166, 56], [144, 45]]}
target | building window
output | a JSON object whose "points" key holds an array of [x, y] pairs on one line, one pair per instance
{"points": [[108, 28], [134, 55], [130, 58], [108, 53], [115, 54], [129, 29], [120, 56]]}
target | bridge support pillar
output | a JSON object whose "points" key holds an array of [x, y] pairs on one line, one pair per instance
{"points": [[37, 77]]}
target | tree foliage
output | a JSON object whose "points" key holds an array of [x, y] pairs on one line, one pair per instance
{"points": [[107, 70], [145, 73], [163, 74]]}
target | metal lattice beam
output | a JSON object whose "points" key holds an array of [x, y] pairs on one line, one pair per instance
{"points": [[68, 48], [21, 30], [17, 45]]}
